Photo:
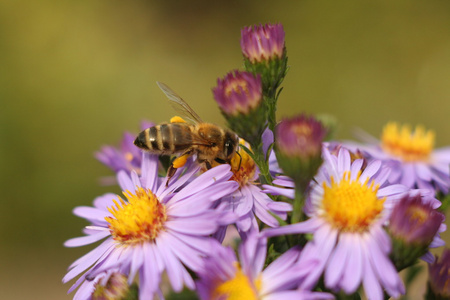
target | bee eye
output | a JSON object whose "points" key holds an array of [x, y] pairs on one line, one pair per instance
{"points": [[229, 147]]}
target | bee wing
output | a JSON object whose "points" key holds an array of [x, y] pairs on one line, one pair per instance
{"points": [[179, 104]]}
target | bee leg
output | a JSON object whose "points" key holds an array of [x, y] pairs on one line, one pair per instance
{"points": [[170, 172], [177, 119], [207, 164], [177, 163]]}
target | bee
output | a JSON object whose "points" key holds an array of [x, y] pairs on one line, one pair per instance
{"points": [[209, 142]]}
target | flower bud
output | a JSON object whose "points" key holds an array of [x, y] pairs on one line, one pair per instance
{"points": [[111, 287], [238, 93], [239, 96], [413, 225], [262, 43], [439, 278], [265, 53], [299, 148]]}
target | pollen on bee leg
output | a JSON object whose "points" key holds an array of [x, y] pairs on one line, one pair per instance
{"points": [[180, 161], [177, 119]]}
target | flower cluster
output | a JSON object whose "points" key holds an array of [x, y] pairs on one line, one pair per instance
{"points": [[263, 209]]}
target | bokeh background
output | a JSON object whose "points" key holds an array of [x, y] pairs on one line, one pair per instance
{"points": [[74, 75]]}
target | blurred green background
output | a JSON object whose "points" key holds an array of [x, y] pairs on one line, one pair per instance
{"points": [[75, 74]]}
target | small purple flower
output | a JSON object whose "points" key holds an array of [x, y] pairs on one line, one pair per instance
{"points": [[411, 157], [156, 229], [439, 280], [238, 93], [126, 157], [263, 42], [223, 276], [347, 207]]}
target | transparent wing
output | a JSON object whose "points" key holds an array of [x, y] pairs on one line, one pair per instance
{"points": [[179, 104]]}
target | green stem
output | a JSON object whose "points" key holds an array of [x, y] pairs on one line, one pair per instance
{"points": [[297, 212]]}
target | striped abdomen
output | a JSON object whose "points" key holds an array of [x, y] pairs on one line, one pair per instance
{"points": [[165, 138]]}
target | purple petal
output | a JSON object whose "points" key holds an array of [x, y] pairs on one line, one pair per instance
{"points": [[244, 223], [262, 213], [307, 226], [370, 170], [173, 266], [104, 201], [88, 260], [354, 269], [150, 171], [372, 287], [195, 226], [392, 190], [280, 206], [339, 258], [149, 276], [319, 250], [344, 160], [184, 252], [92, 214], [408, 176], [384, 269], [125, 182], [136, 263], [85, 240], [423, 171], [210, 177]]}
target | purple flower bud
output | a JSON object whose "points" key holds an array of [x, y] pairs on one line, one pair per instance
{"points": [[440, 277], [415, 222], [238, 93], [263, 42], [112, 286], [300, 136]]}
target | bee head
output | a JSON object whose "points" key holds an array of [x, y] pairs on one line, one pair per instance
{"points": [[230, 145]]}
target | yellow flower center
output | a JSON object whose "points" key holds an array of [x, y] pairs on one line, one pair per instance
{"points": [[238, 288], [138, 220], [243, 166], [350, 205], [405, 144]]}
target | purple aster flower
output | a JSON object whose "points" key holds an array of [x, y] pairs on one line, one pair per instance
{"points": [[156, 229], [238, 93], [249, 201], [263, 42], [411, 157], [223, 276], [347, 207]]}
